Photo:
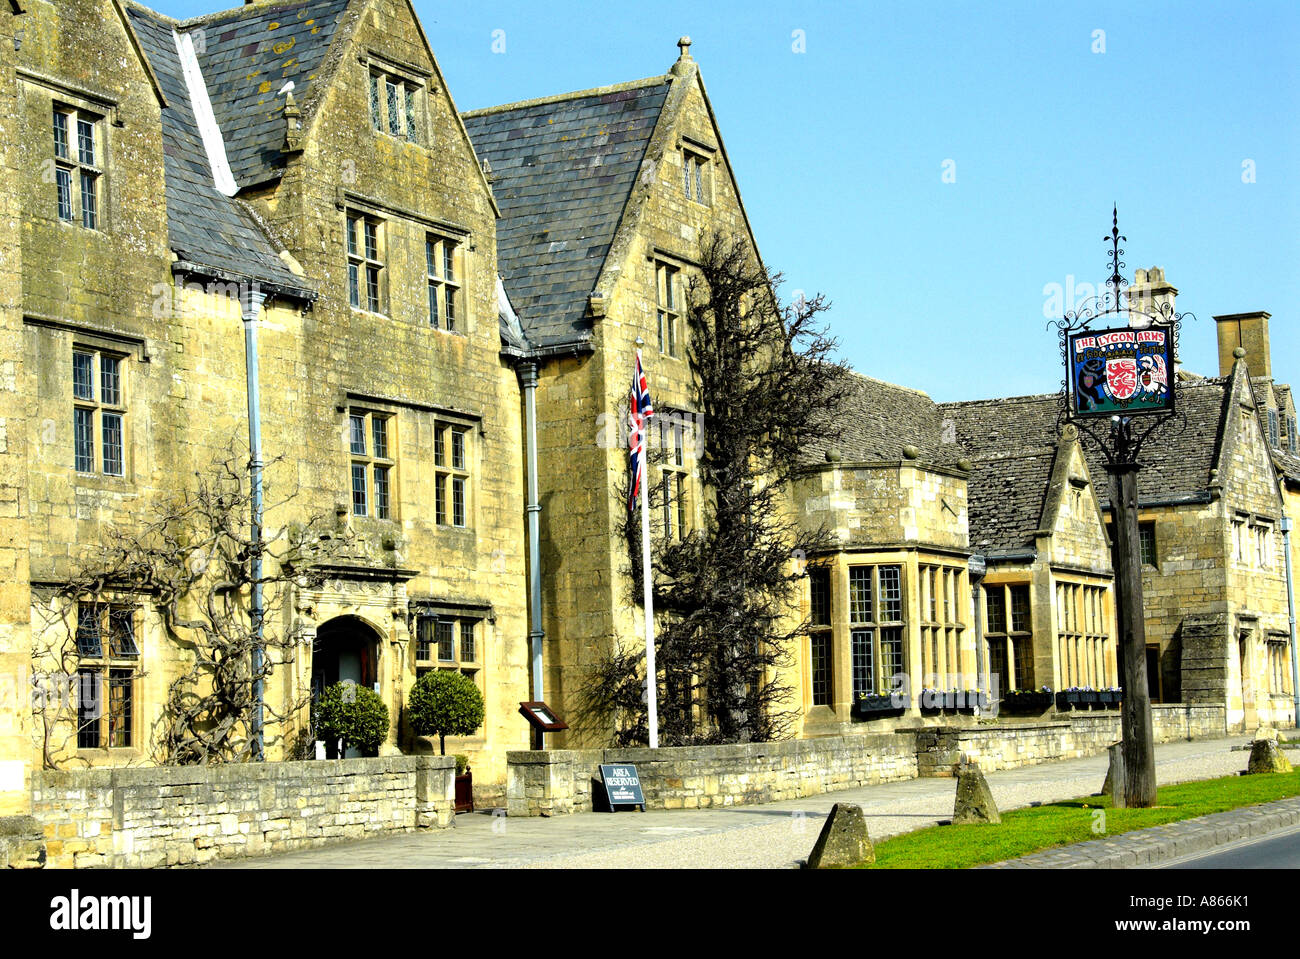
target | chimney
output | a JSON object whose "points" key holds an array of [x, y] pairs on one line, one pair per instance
{"points": [[1250, 332], [1151, 293]]}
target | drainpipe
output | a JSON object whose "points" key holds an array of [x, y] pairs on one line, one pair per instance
{"points": [[251, 302], [528, 379], [1290, 608], [977, 567]]}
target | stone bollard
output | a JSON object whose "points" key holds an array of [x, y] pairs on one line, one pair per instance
{"points": [[843, 840], [1114, 784], [1265, 732], [974, 799], [1265, 757]]}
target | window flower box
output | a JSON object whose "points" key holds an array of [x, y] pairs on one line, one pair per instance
{"points": [[932, 700], [1027, 700], [1069, 698], [876, 705], [1088, 697], [1109, 698]]}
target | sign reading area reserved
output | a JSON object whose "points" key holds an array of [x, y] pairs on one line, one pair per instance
{"points": [[622, 785]]}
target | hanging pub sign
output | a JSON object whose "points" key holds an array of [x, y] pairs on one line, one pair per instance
{"points": [[1121, 372]]}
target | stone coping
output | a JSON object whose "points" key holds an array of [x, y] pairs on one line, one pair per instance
{"points": [[644, 754], [232, 772]]}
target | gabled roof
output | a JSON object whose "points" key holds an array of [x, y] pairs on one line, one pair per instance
{"points": [[1288, 462], [204, 227], [562, 170], [1176, 460], [1012, 444], [247, 56]]}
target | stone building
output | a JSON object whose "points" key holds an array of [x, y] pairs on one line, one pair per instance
{"points": [[1047, 597], [913, 490], [445, 309], [301, 166], [1210, 504], [605, 196], [1213, 489]]}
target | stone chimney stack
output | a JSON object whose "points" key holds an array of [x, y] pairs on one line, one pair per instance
{"points": [[1151, 293], [1250, 332]]}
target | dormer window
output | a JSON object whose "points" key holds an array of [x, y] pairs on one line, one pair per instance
{"points": [[393, 105]]}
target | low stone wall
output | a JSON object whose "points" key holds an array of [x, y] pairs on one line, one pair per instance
{"points": [[558, 782], [1007, 746], [168, 816]]}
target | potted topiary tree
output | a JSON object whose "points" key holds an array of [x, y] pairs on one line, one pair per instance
{"points": [[446, 703], [348, 715]]}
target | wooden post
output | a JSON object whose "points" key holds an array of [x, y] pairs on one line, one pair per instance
{"points": [[1135, 714]]}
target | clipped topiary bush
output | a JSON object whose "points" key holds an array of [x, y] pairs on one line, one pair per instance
{"points": [[354, 714], [445, 703]]}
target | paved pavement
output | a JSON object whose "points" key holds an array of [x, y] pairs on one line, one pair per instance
{"points": [[772, 835]]}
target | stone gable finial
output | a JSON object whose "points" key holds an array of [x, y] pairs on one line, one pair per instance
{"points": [[684, 64]]}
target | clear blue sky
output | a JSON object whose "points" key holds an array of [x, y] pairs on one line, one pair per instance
{"points": [[840, 154]]}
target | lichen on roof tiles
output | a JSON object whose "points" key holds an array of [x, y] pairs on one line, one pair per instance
{"points": [[204, 226]]}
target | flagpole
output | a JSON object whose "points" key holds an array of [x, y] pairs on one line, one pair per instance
{"points": [[647, 587]]}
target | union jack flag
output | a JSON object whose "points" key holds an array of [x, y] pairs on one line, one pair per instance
{"points": [[640, 410]]}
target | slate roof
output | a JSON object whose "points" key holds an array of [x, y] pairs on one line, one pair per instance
{"points": [[878, 419], [204, 226], [1012, 444], [1290, 465], [1176, 461], [562, 171], [1290, 461], [247, 56]]}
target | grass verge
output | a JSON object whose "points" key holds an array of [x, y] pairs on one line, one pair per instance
{"points": [[1023, 831]]}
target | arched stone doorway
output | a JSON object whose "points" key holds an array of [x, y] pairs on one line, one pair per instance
{"points": [[346, 648]]}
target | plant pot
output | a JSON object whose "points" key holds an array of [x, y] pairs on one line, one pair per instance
{"points": [[1089, 697], [1109, 698], [465, 791]]}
